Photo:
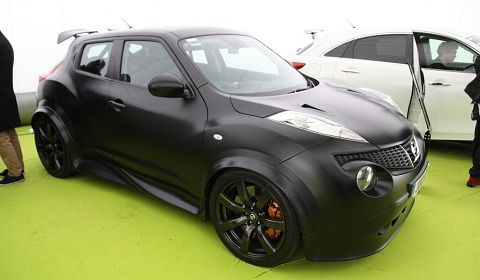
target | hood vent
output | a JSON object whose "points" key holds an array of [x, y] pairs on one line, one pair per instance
{"points": [[307, 106]]}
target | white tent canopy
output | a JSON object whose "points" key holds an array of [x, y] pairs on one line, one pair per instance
{"points": [[33, 26]]}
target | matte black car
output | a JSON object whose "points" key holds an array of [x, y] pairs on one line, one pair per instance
{"points": [[216, 123]]}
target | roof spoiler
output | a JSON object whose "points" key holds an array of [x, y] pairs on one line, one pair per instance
{"points": [[75, 33], [313, 32]]}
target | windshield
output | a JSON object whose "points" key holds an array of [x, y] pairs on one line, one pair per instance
{"points": [[241, 65]]}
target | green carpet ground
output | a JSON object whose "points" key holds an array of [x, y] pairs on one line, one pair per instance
{"points": [[88, 228]]}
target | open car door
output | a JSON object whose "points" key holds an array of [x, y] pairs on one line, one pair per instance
{"points": [[417, 103]]}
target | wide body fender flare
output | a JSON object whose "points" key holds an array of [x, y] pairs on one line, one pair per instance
{"points": [[43, 111], [296, 194]]}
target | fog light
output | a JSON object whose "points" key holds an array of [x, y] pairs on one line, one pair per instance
{"points": [[366, 178]]}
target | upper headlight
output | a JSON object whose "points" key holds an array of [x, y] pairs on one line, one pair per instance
{"points": [[316, 125]]}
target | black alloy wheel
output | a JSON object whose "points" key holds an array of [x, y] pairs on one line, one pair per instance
{"points": [[51, 148], [254, 219]]}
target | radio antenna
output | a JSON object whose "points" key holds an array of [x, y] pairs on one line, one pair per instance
{"points": [[129, 26], [350, 23]]}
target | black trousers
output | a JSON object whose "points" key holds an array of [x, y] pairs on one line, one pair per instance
{"points": [[475, 170]]}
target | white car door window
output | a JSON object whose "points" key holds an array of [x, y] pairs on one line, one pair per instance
{"points": [[447, 104], [379, 63]]}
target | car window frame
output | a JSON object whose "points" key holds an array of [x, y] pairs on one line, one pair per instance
{"points": [[349, 52], [425, 61], [217, 63], [108, 65], [120, 52], [339, 51]]}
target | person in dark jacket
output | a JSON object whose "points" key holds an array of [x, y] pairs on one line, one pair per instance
{"points": [[473, 90], [10, 149], [447, 51]]}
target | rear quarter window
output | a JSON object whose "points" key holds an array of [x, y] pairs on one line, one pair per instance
{"points": [[338, 51]]}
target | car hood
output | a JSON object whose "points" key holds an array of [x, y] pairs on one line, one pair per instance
{"points": [[366, 114]]}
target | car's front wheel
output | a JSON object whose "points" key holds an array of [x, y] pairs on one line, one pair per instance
{"points": [[51, 148], [254, 219]]}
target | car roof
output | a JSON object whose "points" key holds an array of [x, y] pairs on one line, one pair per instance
{"points": [[173, 31], [353, 33], [390, 30]]}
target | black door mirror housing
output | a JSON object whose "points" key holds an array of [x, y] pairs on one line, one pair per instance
{"points": [[168, 85]]}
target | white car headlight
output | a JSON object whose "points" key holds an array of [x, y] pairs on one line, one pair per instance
{"points": [[316, 125]]}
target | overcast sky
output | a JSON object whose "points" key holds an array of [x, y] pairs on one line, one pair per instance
{"points": [[33, 26]]}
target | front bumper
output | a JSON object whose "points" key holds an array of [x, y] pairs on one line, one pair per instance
{"points": [[342, 222], [361, 239]]}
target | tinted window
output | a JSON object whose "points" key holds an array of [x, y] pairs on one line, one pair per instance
{"points": [[338, 51], [142, 60], [387, 48], [95, 58]]}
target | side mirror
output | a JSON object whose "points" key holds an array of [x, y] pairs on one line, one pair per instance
{"points": [[168, 85]]}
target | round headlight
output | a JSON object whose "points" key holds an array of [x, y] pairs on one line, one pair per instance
{"points": [[366, 178]]}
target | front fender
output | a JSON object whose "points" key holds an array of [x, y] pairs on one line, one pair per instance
{"points": [[266, 167]]}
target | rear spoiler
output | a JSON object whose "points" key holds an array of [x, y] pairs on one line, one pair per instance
{"points": [[313, 32], [75, 33]]}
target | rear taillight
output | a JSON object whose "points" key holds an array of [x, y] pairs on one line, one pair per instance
{"points": [[44, 76], [298, 65]]}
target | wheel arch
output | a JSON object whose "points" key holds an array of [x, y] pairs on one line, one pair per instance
{"points": [[43, 111], [266, 169]]}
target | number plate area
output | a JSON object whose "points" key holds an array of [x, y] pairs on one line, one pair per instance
{"points": [[415, 186]]}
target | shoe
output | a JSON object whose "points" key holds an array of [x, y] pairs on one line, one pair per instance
{"points": [[5, 173], [473, 181], [8, 180]]}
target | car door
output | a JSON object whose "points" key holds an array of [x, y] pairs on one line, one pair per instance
{"points": [[447, 104], [88, 110], [154, 139], [379, 62]]}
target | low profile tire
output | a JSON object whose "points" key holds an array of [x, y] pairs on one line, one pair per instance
{"points": [[254, 219], [51, 148]]}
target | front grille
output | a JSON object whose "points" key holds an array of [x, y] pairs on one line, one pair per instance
{"points": [[398, 157]]}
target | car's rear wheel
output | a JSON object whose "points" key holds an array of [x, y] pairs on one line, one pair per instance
{"points": [[51, 148], [254, 219]]}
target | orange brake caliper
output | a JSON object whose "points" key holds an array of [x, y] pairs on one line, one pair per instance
{"points": [[274, 213]]}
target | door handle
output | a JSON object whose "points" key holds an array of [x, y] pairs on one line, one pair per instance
{"points": [[440, 84], [350, 71], [117, 106]]}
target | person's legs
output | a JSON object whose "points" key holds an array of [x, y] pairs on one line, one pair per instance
{"points": [[10, 158], [474, 172], [18, 149]]}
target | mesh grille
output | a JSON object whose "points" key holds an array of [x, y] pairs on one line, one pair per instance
{"points": [[401, 156]]}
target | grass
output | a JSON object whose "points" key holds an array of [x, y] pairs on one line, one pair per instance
{"points": [[87, 228]]}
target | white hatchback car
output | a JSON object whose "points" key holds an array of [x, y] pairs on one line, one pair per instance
{"points": [[378, 59]]}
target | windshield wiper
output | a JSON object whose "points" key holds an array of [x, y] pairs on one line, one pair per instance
{"points": [[300, 89]]}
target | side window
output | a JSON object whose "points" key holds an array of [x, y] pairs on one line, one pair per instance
{"points": [[95, 58], [443, 53], [387, 48], [142, 60], [338, 51]]}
